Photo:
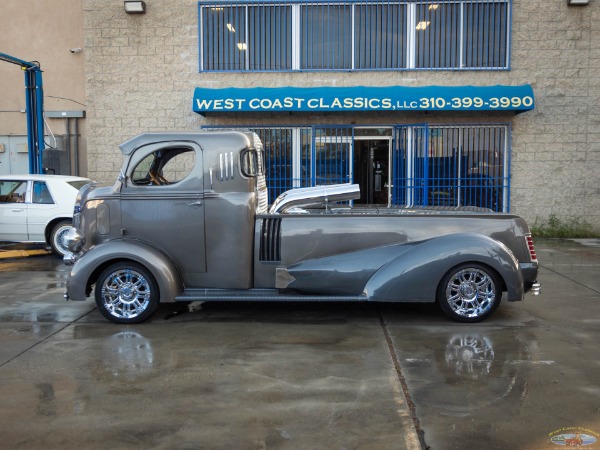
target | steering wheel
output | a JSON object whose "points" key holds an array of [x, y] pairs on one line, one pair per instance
{"points": [[157, 178]]}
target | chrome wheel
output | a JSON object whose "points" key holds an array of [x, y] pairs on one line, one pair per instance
{"points": [[57, 238], [126, 293], [470, 293]]}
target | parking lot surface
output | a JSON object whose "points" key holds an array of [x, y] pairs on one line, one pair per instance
{"points": [[302, 376]]}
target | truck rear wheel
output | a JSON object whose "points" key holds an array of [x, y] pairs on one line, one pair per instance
{"points": [[469, 293], [126, 293]]}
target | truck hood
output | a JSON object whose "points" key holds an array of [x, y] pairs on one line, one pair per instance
{"points": [[94, 191]]}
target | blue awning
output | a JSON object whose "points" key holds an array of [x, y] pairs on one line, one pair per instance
{"points": [[364, 98]]}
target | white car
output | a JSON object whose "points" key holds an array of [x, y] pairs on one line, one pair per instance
{"points": [[38, 208]]}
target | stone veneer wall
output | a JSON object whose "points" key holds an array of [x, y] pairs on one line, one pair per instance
{"points": [[141, 71]]}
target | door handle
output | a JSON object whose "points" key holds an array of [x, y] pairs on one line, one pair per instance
{"points": [[17, 210], [197, 203]]}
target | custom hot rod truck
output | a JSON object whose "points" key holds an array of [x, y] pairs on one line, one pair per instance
{"points": [[188, 220]]}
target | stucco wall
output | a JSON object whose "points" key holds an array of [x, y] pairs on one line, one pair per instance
{"points": [[43, 31], [141, 71]]}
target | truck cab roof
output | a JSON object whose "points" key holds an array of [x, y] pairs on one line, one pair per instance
{"points": [[218, 141]]}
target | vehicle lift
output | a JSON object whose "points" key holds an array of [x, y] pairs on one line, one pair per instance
{"points": [[34, 110]]}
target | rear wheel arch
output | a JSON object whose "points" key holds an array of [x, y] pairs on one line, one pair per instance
{"points": [[470, 291], [415, 274], [480, 262]]}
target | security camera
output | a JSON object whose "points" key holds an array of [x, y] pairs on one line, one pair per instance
{"points": [[75, 50]]}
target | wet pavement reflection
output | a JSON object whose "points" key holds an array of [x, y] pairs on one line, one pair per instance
{"points": [[517, 380], [258, 375]]}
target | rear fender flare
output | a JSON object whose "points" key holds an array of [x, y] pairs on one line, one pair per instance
{"points": [[88, 267], [415, 275]]}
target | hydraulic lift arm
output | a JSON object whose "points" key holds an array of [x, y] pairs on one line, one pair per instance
{"points": [[34, 110]]}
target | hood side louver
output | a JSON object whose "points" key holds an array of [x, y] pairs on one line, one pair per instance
{"points": [[270, 240]]}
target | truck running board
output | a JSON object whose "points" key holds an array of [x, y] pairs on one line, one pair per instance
{"points": [[258, 295]]}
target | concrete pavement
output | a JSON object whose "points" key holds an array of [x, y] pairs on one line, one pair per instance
{"points": [[301, 376]]}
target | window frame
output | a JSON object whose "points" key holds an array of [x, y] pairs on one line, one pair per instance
{"points": [[407, 50]]}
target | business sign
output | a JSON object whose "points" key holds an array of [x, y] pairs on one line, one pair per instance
{"points": [[363, 98]]}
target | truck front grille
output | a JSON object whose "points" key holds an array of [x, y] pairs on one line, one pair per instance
{"points": [[270, 240]]}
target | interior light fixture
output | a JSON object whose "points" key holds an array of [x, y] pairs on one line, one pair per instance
{"points": [[423, 25], [434, 6], [578, 2], [230, 28], [241, 46], [135, 7]]}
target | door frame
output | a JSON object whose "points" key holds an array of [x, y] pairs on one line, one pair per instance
{"points": [[390, 140]]}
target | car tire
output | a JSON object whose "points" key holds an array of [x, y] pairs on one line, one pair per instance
{"points": [[57, 237], [126, 293], [469, 293]]}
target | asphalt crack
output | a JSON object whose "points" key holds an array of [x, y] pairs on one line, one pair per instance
{"points": [[51, 335], [402, 380], [570, 279]]}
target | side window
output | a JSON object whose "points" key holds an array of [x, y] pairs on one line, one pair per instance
{"points": [[12, 191], [179, 166], [251, 163], [141, 172], [164, 166], [41, 194]]}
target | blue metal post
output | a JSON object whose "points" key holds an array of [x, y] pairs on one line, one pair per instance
{"points": [[34, 109], [30, 120], [39, 112]]}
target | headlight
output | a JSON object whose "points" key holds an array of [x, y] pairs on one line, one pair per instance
{"points": [[74, 240]]}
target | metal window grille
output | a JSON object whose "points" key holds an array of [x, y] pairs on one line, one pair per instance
{"points": [[380, 36], [269, 37], [485, 34], [408, 171], [354, 35], [277, 145], [452, 166], [437, 35], [225, 28], [330, 162], [326, 30], [246, 37], [449, 165]]}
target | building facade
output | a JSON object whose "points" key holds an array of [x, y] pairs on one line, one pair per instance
{"points": [[449, 102]]}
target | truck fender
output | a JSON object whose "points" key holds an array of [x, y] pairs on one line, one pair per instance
{"points": [[415, 275], [87, 268]]}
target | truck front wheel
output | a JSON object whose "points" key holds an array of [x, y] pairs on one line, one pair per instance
{"points": [[469, 293], [126, 293]]}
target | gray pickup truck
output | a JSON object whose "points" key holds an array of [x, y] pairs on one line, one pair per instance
{"points": [[188, 219]]}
